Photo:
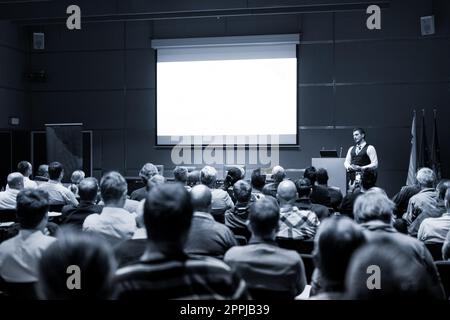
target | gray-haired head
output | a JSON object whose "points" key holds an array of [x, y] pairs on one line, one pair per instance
{"points": [[278, 174], [180, 174], [373, 205], [155, 180], [15, 180], [148, 171], [77, 176], [426, 177], [208, 176]]}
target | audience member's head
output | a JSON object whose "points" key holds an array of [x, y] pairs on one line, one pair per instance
{"points": [[242, 191], [180, 174], [426, 178], [368, 178], [447, 200], [113, 189], [381, 270], [234, 174], [42, 171], [193, 178], [147, 171], [155, 180], [32, 208], [286, 192], [258, 179], [167, 217], [322, 176], [88, 189], [337, 239], [77, 176], [201, 198], [72, 253], [373, 205], [15, 181], [55, 171], [25, 168], [304, 187], [264, 218], [208, 176], [442, 187], [310, 173], [278, 174]]}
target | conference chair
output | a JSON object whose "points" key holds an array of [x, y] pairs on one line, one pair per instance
{"points": [[443, 268], [435, 250], [301, 246], [7, 215]]}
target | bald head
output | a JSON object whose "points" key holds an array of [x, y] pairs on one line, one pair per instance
{"points": [[15, 181], [201, 198], [88, 189], [286, 192], [278, 173]]}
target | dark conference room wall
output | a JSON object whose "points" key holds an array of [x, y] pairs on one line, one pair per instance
{"points": [[104, 77]]}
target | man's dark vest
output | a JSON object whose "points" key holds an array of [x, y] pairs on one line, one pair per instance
{"points": [[360, 159]]}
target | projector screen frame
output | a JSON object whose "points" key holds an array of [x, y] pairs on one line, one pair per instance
{"points": [[236, 145]]}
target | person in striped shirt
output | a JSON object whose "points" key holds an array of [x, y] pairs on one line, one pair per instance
{"points": [[165, 271]]}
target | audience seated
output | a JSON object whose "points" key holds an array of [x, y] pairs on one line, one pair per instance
{"points": [[400, 278], [180, 175], [58, 194], [114, 223], [206, 237], [221, 200], [319, 194], [26, 169], [236, 218], [435, 230], [423, 202], [42, 174], [76, 178], [278, 175], [19, 256], [294, 223], [258, 180], [147, 171], [193, 178], [435, 212], [334, 193], [165, 271], [234, 174], [337, 239], [262, 264], [94, 261], [75, 215], [401, 199], [304, 189], [8, 197], [374, 211], [368, 181]]}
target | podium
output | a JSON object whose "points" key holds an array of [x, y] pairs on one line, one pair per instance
{"points": [[336, 171]]}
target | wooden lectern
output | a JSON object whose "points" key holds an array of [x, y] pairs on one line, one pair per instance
{"points": [[336, 171]]}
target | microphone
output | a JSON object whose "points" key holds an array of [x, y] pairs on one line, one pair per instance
{"points": [[340, 153]]}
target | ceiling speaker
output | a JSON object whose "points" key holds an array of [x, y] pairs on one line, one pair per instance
{"points": [[427, 25]]}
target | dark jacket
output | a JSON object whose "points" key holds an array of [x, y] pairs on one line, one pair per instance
{"points": [[139, 194], [321, 211], [75, 215], [401, 199], [236, 219]]}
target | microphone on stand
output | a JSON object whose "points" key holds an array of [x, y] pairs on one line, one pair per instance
{"points": [[340, 153]]}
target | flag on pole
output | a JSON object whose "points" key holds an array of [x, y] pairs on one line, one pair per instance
{"points": [[435, 151], [411, 179], [424, 150]]}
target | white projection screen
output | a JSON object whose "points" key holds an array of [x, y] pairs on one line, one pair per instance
{"points": [[229, 90]]}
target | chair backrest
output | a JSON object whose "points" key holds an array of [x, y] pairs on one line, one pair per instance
{"points": [[301, 246], [18, 290], [55, 207], [443, 268], [308, 262], [7, 215], [435, 250], [264, 294]]}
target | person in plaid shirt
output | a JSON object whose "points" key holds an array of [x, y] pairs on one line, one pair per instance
{"points": [[294, 223]]}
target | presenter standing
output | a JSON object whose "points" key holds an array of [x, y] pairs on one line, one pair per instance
{"points": [[359, 157]]}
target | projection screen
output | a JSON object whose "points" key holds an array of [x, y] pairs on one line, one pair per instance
{"points": [[228, 90]]}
